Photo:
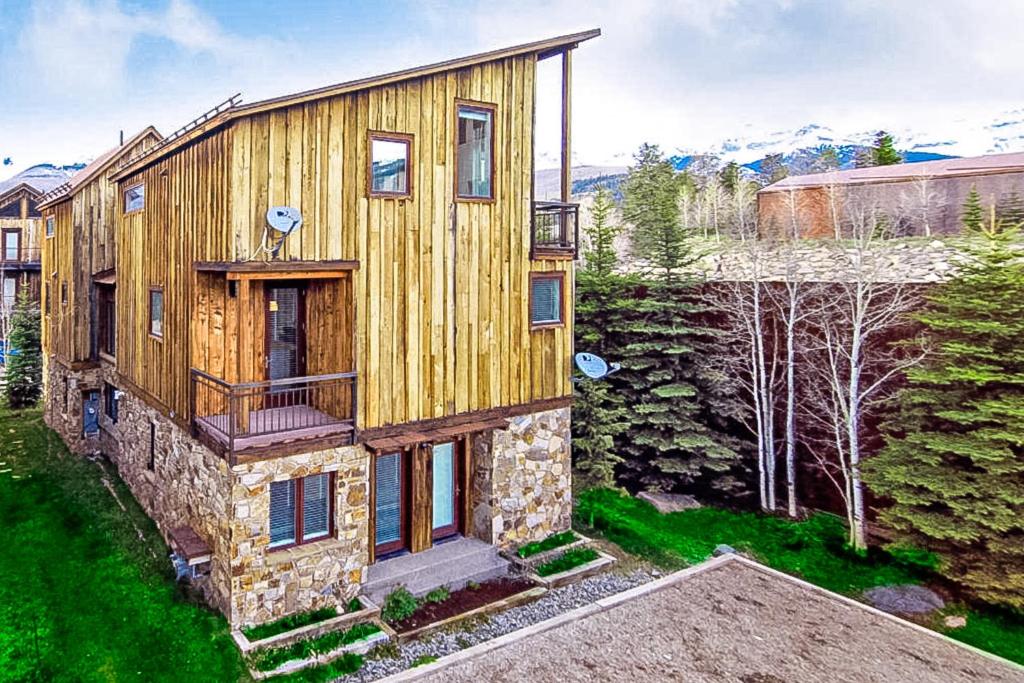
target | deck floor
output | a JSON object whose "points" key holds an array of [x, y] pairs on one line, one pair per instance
{"points": [[285, 425]]}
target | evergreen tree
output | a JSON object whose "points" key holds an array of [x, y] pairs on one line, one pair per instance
{"points": [[953, 464], [973, 215], [884, 152], [828, 160], [600, 256], [730, 178], [650, 194], [24, 374], [773, 169], [864, 157]]}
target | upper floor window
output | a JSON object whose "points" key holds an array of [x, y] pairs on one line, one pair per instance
{"points": [[135, 198], [301, 509], [10, 292], [49, 226], [390, 165], [107, 312], [547, 299], [474, 152], [12, 245], [156, 311]]}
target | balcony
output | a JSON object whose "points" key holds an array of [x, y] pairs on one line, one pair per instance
{"points": [[274, 417], [555, 230]]}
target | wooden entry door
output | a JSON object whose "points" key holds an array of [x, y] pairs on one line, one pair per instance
{"points": [[285, 339], [389, 503], [445, 490]]}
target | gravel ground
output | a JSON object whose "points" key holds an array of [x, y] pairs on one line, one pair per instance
{"points": [[551, 604]]}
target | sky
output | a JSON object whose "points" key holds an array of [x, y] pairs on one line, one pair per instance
{"points": [[686, 74]]}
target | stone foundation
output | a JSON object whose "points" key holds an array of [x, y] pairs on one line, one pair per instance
{"points": [[62, 403], [522, 484]]}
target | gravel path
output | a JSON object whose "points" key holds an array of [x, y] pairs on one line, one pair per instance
{"points": [[551, 604]]}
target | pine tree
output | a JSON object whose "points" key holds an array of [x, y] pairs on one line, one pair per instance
{"points": [[953, 463], [884, 152], [730, 178], [973, 215], [24, 355], [600, 256], [864, 157], [828, 160], [650, 194], [773, 169]]}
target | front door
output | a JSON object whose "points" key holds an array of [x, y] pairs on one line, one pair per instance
{"points": [[389, 503], [91, 413], [286, 339], [445, 490]]}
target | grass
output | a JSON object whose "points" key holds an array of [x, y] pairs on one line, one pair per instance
{"points": [[570, 559], [270, 658], [289, 623], [348, 663], [88, 592], [550, 543], [814, 549]]}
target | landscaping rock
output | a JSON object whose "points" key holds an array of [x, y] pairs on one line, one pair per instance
{"points": [[906, 599], [956, 621], [669, 502]]}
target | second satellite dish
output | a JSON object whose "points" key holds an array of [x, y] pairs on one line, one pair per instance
{"points": [[284, 219], [595, 367]]}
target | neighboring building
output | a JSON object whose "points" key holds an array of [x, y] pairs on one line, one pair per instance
{"points": [[920, 199], [20, 234], [314, 411]]}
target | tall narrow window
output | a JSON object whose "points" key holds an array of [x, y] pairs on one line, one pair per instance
{"points": [[107, 313], [151, 465], [156, 311], [390, 164], [546, 299], [301, 509], [49, 226], [474, 152], [12, 245], [110, 401], [135, 198], [64, 293]]}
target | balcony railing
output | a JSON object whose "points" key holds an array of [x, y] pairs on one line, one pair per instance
{"points": [[259, 417], [15, 257], [555, 231]]}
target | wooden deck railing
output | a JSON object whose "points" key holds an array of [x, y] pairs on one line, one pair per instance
{"points": [[555, 229], [260, 416]]}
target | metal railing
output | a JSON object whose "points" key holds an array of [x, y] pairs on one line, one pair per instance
{"points": [[555, 229], [21, 255], [260, 415]]}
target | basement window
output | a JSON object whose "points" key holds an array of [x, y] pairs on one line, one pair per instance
{"points": [[135, 198], [390, 164], [301, 510], [547, 304], [110, 401]]}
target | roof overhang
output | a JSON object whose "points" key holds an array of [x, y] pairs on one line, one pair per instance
{"points": [[542, 48]]}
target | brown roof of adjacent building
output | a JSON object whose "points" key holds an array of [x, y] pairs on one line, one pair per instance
{"points": [[940, 168]]}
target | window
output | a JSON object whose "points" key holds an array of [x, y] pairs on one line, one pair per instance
{"points": [[390, 164], [301, 510], [156, 311], [10, 292], [135, 198], [110, 401], [474, 152], [64, 293], [107, 312], [151, 465], [546, 301], [12, 245], [49, 226]]}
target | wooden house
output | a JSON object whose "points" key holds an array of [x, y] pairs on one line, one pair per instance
{"points": [[343, 334]]}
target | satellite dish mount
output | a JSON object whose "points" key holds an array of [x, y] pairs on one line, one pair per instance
{"points": [[594, 367], [282, 221]]}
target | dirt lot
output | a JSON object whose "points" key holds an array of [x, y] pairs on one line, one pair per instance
{"points": [[735, 623]]}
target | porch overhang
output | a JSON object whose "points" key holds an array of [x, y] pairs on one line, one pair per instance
{"points": [[278, 270]]}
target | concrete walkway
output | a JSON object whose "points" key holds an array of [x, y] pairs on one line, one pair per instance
{"points": [[728, 620]]}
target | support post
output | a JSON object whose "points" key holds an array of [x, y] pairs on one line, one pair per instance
{"points": [[566, 125]]}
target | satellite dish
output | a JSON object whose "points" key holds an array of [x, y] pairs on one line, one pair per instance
{"points": [[284, 219], [595, 367]]}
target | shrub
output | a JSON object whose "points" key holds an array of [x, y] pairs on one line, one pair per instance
{"points": [[549, 543], [289, 623], [398, 605], [437, 595], [568, 560], [353, 605]]}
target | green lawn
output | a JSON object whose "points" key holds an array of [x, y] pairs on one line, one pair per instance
{"points": [[87, 592], [815, 550]]}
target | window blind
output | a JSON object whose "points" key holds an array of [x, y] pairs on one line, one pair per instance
{"points": [[282, 513], [546, 301], [316, 505], [389, 498]]}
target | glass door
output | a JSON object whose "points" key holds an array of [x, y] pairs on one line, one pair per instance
{"points": [[444, 490], [389, 503], [286, 343]]}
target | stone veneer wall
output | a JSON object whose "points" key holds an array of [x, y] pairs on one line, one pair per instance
{"points": [[522, 484], [267, 584], [62, 403]]}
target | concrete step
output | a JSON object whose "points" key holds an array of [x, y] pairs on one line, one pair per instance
{"points": [[452, 564]]}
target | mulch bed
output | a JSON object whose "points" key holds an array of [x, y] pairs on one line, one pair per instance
{"points": [[462, 601]]}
